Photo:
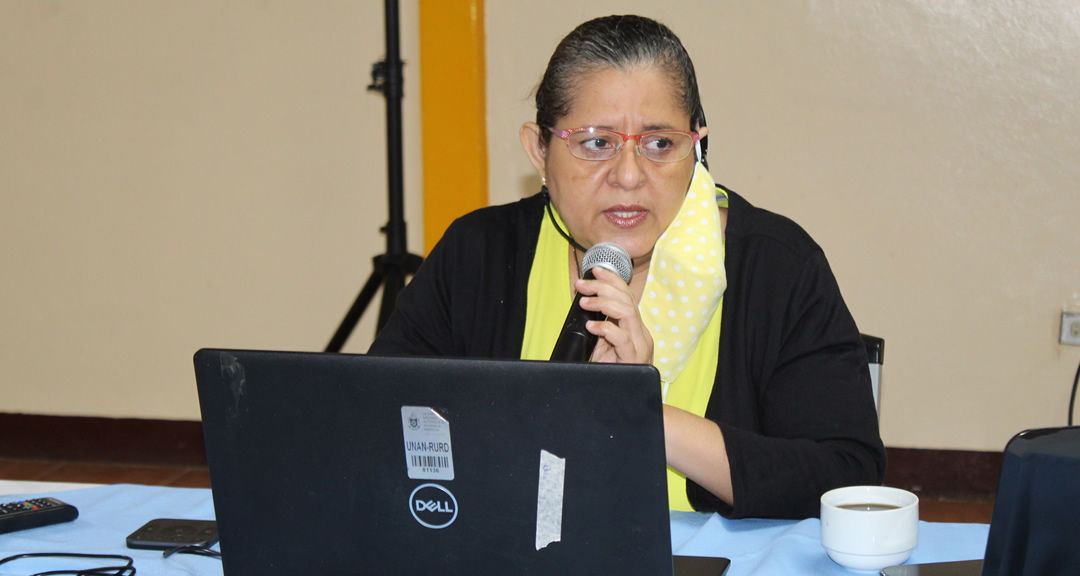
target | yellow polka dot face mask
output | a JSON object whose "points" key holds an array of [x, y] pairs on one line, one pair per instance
{"points": [[686, 278]]}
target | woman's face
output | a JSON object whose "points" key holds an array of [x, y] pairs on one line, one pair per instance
{"points": [[629, 199]]}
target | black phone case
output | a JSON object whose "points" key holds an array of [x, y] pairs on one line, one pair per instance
{"points": [[166, 533], [699, 566]]}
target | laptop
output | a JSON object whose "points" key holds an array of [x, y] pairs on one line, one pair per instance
{"points": [[353, 464], [1036, 512]]}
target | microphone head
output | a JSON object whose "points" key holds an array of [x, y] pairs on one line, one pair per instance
{"points": [[608, 255]]}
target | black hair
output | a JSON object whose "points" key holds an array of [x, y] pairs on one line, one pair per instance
{"points": [[620, 43]]}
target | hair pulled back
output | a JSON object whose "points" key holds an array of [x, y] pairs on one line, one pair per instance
{"points": [[619, 43]]}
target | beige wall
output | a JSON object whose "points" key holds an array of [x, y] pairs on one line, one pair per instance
{"points": [[176, 175], [185, 174], [931, 147]]}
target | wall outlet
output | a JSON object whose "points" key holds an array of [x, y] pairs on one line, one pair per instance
{"points": [[1070, 328]]}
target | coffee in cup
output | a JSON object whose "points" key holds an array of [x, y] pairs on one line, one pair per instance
{"points": [[869, 507]]}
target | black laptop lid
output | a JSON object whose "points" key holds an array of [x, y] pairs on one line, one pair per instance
{"points": [[341, 464], [1037, 508]]}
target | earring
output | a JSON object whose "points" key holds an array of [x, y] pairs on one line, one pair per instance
{"points": [[543, 180]]}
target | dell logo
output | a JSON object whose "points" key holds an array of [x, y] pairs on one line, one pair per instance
{"points": [[433, 506]]}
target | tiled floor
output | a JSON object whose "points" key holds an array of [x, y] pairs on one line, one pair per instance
{"points": [[100, 473], [954, 511], [199, 477]]}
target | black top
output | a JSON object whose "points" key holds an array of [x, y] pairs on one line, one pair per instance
{"points": [[792, 392]]}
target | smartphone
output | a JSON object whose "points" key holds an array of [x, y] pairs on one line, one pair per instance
{"points": [[961, 568], [700, 565], [166, 533]]}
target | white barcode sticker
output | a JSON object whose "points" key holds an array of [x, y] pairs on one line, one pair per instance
{"points": [[428, 453]]}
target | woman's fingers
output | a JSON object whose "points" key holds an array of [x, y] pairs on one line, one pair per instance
{"points": [[623, 336]]}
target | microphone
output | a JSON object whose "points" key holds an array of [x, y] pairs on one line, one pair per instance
{"points": [[575, 343]]}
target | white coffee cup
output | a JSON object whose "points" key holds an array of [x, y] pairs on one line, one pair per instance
{"points": [[867, 540]]}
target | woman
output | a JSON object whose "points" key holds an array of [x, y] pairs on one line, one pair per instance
{"points": [[767, 394]]}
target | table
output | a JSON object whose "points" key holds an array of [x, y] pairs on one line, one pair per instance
{"points": [[107, 514]]}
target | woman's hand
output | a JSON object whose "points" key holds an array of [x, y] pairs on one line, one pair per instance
{"points": [[623, 336]]}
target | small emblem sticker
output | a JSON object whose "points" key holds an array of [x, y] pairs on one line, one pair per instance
{"points": [[428, 452]]}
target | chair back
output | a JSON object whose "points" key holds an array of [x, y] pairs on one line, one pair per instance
{"points": [[875, 356]]}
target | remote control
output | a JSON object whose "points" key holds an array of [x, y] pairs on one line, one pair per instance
{"points": [[34, 513]]}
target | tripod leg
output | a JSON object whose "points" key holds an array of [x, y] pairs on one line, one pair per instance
{"points": [[371, 287], [395, 274], [392, 285]]}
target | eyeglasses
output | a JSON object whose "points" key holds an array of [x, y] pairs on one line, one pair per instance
{"points": [[599, 144]]}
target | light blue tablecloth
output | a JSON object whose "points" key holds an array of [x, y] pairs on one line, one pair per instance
{"points": [[108, 514], [784, 547]]}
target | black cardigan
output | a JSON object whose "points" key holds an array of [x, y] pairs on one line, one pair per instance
{"points": [[792, 393]]}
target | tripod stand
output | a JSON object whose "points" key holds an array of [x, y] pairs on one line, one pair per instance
{"points": [[392, 268]]}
